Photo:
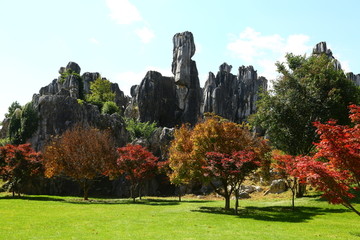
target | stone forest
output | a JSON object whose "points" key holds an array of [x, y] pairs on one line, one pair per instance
{"points": [[174, 105]]}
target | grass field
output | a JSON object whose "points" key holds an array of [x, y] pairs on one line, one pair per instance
{"points": [[49, 217]]}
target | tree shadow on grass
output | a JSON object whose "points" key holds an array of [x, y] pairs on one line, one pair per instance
{"points": [[79, 200], [274, 213], [152, 202], [34, 198]]}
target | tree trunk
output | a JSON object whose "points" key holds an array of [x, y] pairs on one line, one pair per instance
{"points": [[140, 191], [86, 189], [179, 193], [132, 189], [301, 190], [293, 199], [294, 188], [349, 206], [236, 201], [227, 202]]}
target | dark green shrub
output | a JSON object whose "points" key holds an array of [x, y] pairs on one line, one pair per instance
{"points": [[139, 129], [110, 108]]}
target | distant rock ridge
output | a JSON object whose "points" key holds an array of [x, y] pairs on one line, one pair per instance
{"points": [[321, 48], [171, 101], [230, 96]]}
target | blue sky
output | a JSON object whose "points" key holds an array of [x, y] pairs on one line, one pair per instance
{"points": [[122, 39]]}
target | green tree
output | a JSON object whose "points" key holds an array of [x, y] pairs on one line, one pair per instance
{"points": [[308, 90], [15, 105], [100, 92], [23, 124], [14, 130]]}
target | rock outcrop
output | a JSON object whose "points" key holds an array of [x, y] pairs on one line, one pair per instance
{"points": [[322, 48], [233, 97], [170, 100], [58, 107]]}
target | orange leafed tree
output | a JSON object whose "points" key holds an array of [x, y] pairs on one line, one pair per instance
{"points": [[81, 153], [187, 154]]}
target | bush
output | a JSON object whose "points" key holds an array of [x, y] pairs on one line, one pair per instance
{"points": [[110, 108], [139, 129]]}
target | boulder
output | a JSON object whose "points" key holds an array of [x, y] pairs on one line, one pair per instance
{"points": [[277, 186], [73, 66], [244, 195]]}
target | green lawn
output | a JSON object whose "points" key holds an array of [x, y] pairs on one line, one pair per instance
{"points": [[48, 217]]}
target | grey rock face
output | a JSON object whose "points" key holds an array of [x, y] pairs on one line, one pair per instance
{"points": [[59, 109], [170, 100], [59, 112], [87, 79], [232, 97], [321, 48], [184, 49], [354, 78], [156, 99], [74, 67]]}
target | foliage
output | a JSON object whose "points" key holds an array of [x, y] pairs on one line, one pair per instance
{"points": [[4, 141], [335, 167], [14, 130], [15, 105], [287, 168], [80, 101], [340, 144], [139, 129], [18, 164], [110, 108], [81, 153], [69, 72], [100, 92], [137, 164], [29, 121], [187, 154], [308, 90], [23, 124], [334, 183], [230, 171]]}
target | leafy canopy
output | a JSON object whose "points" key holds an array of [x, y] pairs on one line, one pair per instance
{"points": [[81, 153], [308, 90], [137, 164], [18, 164], [188, 158]]}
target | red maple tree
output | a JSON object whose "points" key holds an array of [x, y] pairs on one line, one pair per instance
{"points": [[230, 171], [18, 164], [287, 168], [137, 164], [340, 145]]}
